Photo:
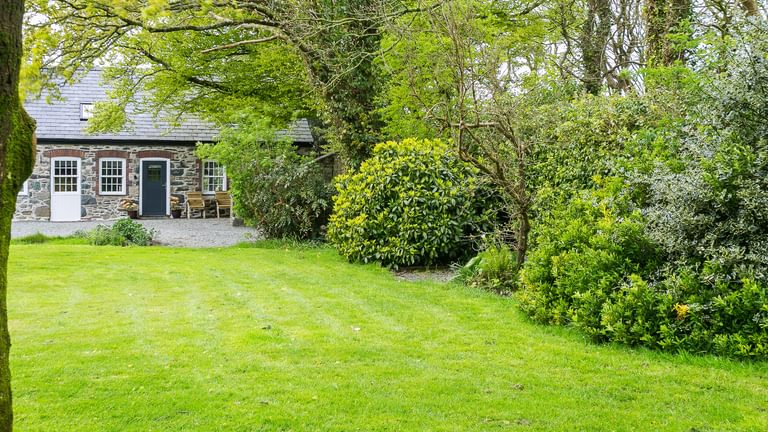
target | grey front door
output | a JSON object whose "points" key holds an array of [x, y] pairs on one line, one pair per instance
{"points": [[154, 181]]}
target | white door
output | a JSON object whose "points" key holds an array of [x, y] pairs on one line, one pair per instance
{"points": [[65, 189]]}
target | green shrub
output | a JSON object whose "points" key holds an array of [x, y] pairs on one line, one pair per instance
{"points": [[594, 267], [103, 235], [494, 269], [283, 194], [581, 138], [133, 232], [288, 199], [583, 250], [124, 232], [686, 311], [412, 203], [714, 209]]}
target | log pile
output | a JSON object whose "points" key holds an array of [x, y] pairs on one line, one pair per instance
{"points": [[128, 204]]}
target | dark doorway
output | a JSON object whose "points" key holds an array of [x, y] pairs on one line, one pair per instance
{"points": [[154, 181]]}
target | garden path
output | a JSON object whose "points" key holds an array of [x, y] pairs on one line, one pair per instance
{"points": [[171, 232]]}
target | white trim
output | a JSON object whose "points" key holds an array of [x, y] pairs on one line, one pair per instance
{"points": [[124, 190], [202, 176], [167, 183], [24, 188]]}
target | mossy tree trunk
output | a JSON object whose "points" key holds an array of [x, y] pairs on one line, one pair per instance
{"points": [[17, 149], [663, 18], [595, 33]]}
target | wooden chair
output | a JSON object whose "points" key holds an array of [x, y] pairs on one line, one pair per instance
{"points": [[223, 202], [195, 201]]}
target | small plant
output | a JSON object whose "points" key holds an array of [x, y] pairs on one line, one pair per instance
{"points": [[124, 232], [103, 235], [176, 203], [128, 204], [493, 269], [134, 232]]}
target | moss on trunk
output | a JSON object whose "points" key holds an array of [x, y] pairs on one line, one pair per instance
{"points": [[17, 149]]}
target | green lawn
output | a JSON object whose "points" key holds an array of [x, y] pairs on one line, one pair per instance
{"points": [[248, 339]]}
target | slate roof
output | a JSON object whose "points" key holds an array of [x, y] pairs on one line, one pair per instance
{"points": [[60, 120]]}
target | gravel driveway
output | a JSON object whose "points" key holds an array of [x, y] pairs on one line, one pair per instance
{"points": [[171, 232]]}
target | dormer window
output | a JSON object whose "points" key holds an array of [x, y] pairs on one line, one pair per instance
{"points": [[86, 111]]}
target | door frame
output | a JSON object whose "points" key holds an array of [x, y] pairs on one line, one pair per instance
{"points": [[167, 183], [79, 192]]}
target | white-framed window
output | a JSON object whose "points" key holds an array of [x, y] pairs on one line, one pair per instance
{"points": [[24, 188], [86, 111], [214, 177], [111, 176], [66, 175]]}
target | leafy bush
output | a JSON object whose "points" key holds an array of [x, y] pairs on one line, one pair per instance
{"points": [[412, 203], [276, 190], [584, 250], [133, 232], [494, 269], [595, 267], [124, 232], [713, 209], [690, 270], [580, 139], [103, 235], [289, 198], [684, 310]]}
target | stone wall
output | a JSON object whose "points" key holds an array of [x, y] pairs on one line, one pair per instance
{"points": [[184, 177]]}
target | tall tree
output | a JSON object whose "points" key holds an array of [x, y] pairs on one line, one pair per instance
{"points": [[198, 51], [600, 42], [465, 71], [16, 159]]}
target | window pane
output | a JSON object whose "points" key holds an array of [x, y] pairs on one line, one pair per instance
{"points": [[65, 176], [154, 173], [111, 176], [213, 176]]}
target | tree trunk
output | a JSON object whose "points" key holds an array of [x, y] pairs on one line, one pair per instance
{"points": [[523, 202], [662, 19], [17, 149], [594, 38], [750, 7]]}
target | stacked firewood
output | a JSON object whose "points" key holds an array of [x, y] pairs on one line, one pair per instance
{"points": [[128, 204]]}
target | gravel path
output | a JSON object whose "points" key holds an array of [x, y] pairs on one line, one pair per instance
{"points": [[171, 232], [437, 275]]}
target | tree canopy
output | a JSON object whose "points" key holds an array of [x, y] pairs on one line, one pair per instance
{"points": [[279, 60]]}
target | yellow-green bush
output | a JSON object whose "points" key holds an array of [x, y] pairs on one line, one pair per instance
{"points": [[412, 203], [594, 267]]}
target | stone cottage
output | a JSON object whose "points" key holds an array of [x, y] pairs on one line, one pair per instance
{"points": [[81, 176]]}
